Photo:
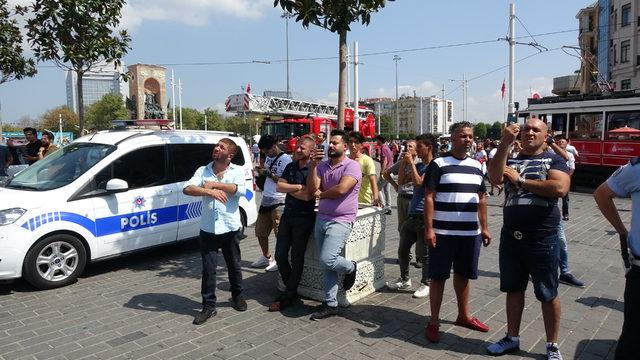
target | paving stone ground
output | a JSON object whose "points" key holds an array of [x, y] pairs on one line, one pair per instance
{"points": [[141, 306]]}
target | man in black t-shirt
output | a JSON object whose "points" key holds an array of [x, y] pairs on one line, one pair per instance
{"points": [[534, 181], [296, 222], [33, 146]]}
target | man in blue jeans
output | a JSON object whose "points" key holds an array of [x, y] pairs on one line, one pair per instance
{"points": [[336, 183], [534, 181]]}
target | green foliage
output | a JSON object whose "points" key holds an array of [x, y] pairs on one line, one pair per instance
{"points": [[101, 113], [386, 124], [495, 130], [13, 65], [480, 130], [76, 34], [50, 119], [335, 16]]}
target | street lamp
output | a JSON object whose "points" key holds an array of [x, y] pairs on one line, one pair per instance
{"points": [[287, 15], [396, 58]]}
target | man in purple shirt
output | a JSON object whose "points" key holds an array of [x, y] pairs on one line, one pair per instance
{"points": [[336, 183], [386, 161]]}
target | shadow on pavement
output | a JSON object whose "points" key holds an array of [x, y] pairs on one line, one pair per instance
{"points": [[164, 302], [386, 322], [595, 348], [594, 301]]}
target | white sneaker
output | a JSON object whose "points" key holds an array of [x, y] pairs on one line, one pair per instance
{"points": [[399, 284], [273, 266], [422, 292], [261, 261]]}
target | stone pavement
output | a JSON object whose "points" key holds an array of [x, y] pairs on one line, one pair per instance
{"points": [[141, 306]]}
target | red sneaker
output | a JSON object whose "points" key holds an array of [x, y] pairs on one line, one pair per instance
{"points": [[473, 324], [432, 333]]}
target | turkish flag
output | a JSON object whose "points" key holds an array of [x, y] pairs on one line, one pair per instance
{"points": [[503, 89], [248, 88]]}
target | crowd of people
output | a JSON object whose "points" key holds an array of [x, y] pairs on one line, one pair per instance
{"points": [[16, 153], [441, 209]]}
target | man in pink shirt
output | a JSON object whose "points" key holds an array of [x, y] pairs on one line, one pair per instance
{"points": [[336, 183], [386, 161]]}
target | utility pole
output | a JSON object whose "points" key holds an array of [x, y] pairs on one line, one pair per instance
{"points": [[348, 77], [396, 58], [1, 133], [205, 121], [356, 116], [287, 15], [512, 56], [180, 99], [173, 98], [60, 127], [378, 118], [446, 113], [464, 98], [421, 119]]}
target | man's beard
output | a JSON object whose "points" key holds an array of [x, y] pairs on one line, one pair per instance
{"points": [[335, 153]]}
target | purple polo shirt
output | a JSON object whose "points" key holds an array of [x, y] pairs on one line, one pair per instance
{"points": [[385, 152], [344, 208]]}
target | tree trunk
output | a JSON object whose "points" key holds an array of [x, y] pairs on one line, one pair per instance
{"points": [[80, 102], [342, 82]]}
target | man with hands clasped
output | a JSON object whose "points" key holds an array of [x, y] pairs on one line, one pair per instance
{"points": [[534, 181]]}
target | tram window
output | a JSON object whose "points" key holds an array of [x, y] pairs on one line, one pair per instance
{"points": [[585, 126], [621, 119], [559, 122]]}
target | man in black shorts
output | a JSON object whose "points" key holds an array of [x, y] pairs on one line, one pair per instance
{"points": [[534, 181], [455, 220]]}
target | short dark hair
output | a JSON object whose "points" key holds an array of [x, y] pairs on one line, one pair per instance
{"points": [[461, 125], [343, 134], [30, 129], [381, 138], [560, 137], [266, 142], [357, 136], [48, 134], [427, 139]]}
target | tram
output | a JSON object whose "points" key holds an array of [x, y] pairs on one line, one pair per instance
{"points": [[604, 129]]}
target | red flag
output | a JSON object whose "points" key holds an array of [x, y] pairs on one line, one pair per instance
{"points": [[248, 88], [503, 89]]}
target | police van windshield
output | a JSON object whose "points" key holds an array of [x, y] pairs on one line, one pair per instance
{"points": [[61, 167]]}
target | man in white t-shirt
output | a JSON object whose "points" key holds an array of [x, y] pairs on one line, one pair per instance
{"points": [[268, 213]]}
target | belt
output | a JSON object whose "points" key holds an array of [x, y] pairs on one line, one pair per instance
{"points": [[405, 196], [519, 234], [521, 201]]}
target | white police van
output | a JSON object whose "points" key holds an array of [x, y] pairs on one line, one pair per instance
{"points": [[106, 194]]}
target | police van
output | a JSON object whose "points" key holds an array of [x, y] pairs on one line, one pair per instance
{"points": [[103, 195]]}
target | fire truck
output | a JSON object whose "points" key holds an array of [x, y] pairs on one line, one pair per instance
{"points": [[604, 129], [288, 119]]}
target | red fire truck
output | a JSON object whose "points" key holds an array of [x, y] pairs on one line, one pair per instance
{"points": [[604, 129], [288, 119]]}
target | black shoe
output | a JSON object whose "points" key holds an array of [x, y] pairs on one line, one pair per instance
{"points": [[565, 218], [387, 212], [350, 278], [239, 303], [203, 315], [417, 265], [569, 279], [324, 311]]}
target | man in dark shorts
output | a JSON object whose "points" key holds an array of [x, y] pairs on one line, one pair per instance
{"points": [[455, 220], [534, 181]]}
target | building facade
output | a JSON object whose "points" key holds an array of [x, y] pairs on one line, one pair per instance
{"points": [[624, 56], [588, 41], [417, 114], [104, 78]]}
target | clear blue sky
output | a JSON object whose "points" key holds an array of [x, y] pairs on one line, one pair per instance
{"points": [[191, 31]]}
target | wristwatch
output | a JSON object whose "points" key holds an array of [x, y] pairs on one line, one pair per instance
{"points": [[521, 181]]}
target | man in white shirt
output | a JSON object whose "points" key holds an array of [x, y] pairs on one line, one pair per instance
{"points": [[268, 213]]}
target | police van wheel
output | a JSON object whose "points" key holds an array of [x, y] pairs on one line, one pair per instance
{"points": [[55, 261]]}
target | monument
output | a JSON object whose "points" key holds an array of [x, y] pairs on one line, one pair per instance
{"points": [[147, 91]]}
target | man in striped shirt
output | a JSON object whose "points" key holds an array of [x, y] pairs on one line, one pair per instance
{"points": [[455, 219]]}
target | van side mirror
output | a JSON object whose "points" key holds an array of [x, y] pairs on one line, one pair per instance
{"points": [[117, 185]]}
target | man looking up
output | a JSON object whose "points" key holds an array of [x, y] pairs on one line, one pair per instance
{"points": [[335, 182], [220, 184], [529, 238], [455, 220], [296, 224], [268, 215], [368, 193]]}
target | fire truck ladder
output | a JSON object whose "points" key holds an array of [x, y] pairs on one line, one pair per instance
{"points": [[277, 106]]}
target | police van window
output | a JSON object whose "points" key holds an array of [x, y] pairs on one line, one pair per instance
{"points": [[142, 167], [187, 158]]}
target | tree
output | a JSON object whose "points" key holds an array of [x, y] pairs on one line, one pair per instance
{"points": [[480, 130], [13, 65], [101, 113], [214, 120], [191, 119], [335, 16], [495, 131], [51, 120], [386, 124], [76, 34]]}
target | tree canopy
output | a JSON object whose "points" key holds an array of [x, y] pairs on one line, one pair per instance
{"points": [[101, 113], [337, 17], [13, 64], [50, 120], [75, 35]]}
